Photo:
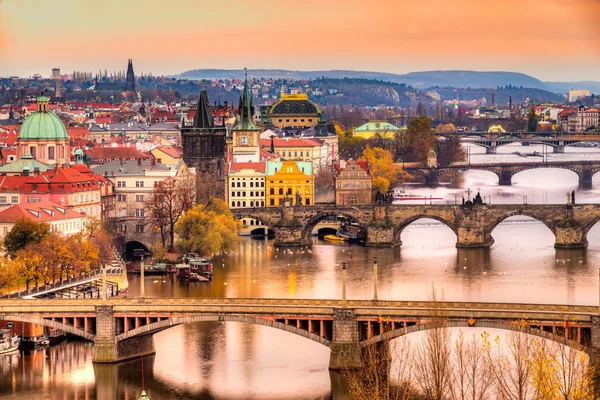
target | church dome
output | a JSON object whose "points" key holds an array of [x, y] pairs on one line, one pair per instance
{"points": [[43, 124], [294, 104]]}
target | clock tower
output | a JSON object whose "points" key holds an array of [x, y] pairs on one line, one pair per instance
{"points": [[246, 135]]}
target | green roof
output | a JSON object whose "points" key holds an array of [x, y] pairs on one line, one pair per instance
{"points": [[42, 125], [274, 166], [27, 162], [377, 126]]}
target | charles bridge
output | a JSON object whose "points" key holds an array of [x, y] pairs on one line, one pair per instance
{"points": [[585, 170], [383, 224], [123, 329]]}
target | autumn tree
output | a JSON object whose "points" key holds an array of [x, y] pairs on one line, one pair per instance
{"points": [[450, 150], [169, 200], [8, 273], [27, 261], [419, 138], [207, 229], [24, 232], [445, 128], [384, 172], [532, 120]]}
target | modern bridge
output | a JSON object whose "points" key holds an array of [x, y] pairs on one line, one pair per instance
{"points": [[383, 224], [585, 170], [123, 329]]}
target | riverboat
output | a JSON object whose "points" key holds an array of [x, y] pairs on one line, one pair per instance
{"points": [[399, 194], [156, 269], [183, 271], [202, 267], [334, 238], [9, 342], [34, 342]]}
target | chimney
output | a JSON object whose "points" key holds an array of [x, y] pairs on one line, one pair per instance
{"points": [[139, 161], [36, 171], [121, 161], [493, 99], [153, 161]]}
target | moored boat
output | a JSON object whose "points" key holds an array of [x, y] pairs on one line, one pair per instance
{"points": [[156, 269], [183, 271], [334, 238], [9, 342], [202, 267], [34, 342]]}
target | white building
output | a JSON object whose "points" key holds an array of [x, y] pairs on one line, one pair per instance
{"points": [[574, 94], [61, 219]]}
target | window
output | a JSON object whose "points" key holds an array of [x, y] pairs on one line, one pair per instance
{"points": [[307, 201], [243, 184], [139, 183], [301, 154], [251, 204], [289, 191], [232, 194], [155, 183], [243, 204], [262, 203], [139, 212], [280, 191], [51, 153], [295, 154], [262, 184], [3, 199], [122, 213], [272, 202], [251, 184], [123, 228], [33, 151], [14, 199], [244, 222], [122, 197], [121, 184], [5, 229], [139, 228], [139, 198], [233, 204], [272, 191]]}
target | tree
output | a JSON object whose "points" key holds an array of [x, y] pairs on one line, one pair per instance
{"points": [[207, 229], [419, 139], [384, 172], [324, 179], [28, 261], [421, 111], [532, 120], [445, 128], [169, 200], [450, 150], [8, 273], [24, 232]]}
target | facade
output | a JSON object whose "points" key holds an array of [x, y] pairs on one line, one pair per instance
{"points": [[43, 136], [245, 134], [372, 129], [579, 120], [353, 183], [291, 179], [204, 150], [294, 111], [577, 93], [310, 150], [246, 188], [60, 218]]}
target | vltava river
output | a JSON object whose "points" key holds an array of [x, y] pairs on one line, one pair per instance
{"points": [[238, 361]]}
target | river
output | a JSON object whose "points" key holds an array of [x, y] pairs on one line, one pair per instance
{"points": [[238, 361]]}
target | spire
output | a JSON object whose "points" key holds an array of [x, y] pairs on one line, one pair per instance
{"points": [[204, 118], [246, 108], [130, 77]]}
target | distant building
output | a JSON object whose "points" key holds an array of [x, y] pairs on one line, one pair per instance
{"points": [[579, 120], [246, 186], [294, 111], [372, 129], [60, 218], [289, 179], [574, 94], [127, 86], [352, 183]]}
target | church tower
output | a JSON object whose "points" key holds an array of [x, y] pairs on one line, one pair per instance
{"points": [[130, 78], [204, 149], [246, 135]]}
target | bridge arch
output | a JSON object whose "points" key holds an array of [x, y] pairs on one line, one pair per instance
{"points": [[310, 223], [156, 327], [48, 323], [575, 170], [490, 324], [495, 222], [240, 214], [406, 222]]}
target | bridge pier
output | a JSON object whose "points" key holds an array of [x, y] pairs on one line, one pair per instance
{"points": [[491, 150], [473, 237], [380, 234], [569, 234], [107, 350], [345, 350], [585, 178], [505, 178], [431, 178], [558, 149]]}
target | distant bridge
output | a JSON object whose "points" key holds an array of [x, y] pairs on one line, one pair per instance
{"points": [[384, 224], [585, 170], [122, 329]]}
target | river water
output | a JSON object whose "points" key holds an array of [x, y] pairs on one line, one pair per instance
{"points": [[239, 361]]}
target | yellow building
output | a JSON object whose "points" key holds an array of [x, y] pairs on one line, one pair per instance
{"points": [[379, 129], [293, 179], [294, 111]]}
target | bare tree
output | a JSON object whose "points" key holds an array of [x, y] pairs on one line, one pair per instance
{"points": [[470, 374]]}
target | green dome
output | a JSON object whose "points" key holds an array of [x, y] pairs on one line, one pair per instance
{"points": [[43, 125]]}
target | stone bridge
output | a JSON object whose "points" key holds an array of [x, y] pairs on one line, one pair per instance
{"points": [[585, 170], [491, 142], [123, 329], [472, 224]]}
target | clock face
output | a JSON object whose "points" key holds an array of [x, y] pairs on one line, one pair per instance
{"points": [[244, 140]]}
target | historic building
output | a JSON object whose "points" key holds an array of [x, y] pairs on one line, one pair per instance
{"points": [[314, 151], [204, 150], [352, 183], [43, 136], [127, 86], [294, 111], [61, 219], [380, 129], [291, 179], [245, 134], [246, 185]]}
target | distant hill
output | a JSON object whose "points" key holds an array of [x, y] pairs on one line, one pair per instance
{"points": [[564, 87], [425, 79]]}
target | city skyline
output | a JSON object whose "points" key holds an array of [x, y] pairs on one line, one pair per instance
{"points": [[551, 40]]}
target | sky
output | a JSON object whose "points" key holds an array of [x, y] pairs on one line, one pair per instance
{"points": [[553, 40]]}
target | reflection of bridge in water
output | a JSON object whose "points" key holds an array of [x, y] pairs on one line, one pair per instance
{"points": [[384, 224], [123, 329], [585, 170]]}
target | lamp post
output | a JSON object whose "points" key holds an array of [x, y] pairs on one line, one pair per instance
{"points": [[343, 284], [103, 280], [142, 283], [375, 278]]}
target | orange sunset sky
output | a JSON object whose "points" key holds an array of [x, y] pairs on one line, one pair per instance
{"points": [[555, 40]]}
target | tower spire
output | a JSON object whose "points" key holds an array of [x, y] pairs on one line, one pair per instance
{"points": [[246, 108]]}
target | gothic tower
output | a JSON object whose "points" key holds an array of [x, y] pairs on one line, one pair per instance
{"points": [[204, 149], [130, 78], [246, 136]]}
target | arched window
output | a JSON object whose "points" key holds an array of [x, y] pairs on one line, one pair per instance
{"points": [[251, 204], [244, 222], [262, 203], [51, 153], [281, 191], [243, 204], [289, 191], [233, 204], [239, 204], [272, 191], [307, 191], [251, 222]]}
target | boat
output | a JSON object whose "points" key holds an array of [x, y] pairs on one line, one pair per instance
{"points": [[202, 266], [399, 194], [9, 342], [194, 277], [352, 232], [34, 342], [171, 269], [156, 269], [334, 238], [183, 271]]}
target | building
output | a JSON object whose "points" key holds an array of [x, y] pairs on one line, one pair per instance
{"points": [[291, 179], [574, 94], [246, 186], [168, 155], [245, 134], [204, 150], [310, 150], [352, 183], [127, 86], [43, 136], [379, 129], [579, 120], [294, 111], [60, 218], [101, 155]]}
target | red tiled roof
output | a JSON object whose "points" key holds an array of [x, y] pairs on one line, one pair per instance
{"points": [[44, 211], [78, 132], [173, 151], [290, 142], [257, 166], [13, 183], [115, 153]]}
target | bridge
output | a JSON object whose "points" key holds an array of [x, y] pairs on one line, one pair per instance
{"points": [[383, 224], [123, 329], [585, 170]]}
